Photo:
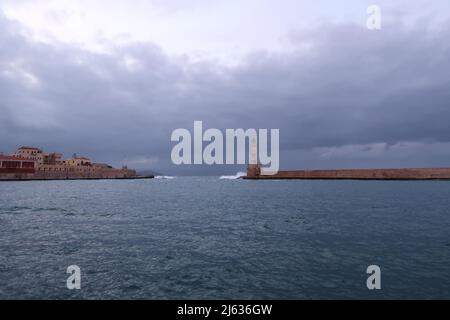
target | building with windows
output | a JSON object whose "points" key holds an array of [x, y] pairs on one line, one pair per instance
{"points": [[35, 154], [78, 161], [12, 167]]}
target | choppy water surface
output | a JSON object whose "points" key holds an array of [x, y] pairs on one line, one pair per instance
{"points": [[220, 238]]}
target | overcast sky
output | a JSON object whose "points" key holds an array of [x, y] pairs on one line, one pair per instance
{"points": [[113, 79]]}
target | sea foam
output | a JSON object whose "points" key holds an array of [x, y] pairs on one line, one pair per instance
{"points": [[237, 176]]}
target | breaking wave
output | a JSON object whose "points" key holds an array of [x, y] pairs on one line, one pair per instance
{"points": [[237, 176], [164, 177]]}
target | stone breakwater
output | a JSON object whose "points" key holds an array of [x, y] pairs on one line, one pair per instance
{"points": [[254, 172], [100, 174]]}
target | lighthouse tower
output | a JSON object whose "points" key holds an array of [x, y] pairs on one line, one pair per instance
{"points": [[253, 169]]}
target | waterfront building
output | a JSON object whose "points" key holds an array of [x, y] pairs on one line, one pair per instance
{"points": [[35, 154], [11, 166], [30, 163]]}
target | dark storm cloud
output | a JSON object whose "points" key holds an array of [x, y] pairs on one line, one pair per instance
{"points": [[341, 85]]}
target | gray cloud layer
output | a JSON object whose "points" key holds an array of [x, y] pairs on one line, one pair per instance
{"points": [[344, 96]]}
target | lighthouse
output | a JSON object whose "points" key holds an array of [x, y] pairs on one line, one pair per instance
{"points": [[253, 169]]}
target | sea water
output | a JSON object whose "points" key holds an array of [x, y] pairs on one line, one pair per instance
{"points": [[212, 238]]}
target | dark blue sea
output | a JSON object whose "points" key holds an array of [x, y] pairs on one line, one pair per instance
{"points": [[203, 237]]}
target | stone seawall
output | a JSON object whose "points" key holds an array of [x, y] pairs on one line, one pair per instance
{"points": [[16, 176], [98, 173], [56, 174], [358, 174]]}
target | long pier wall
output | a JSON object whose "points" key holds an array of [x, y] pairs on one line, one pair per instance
{"points": [[357, 174], [56, 174]]}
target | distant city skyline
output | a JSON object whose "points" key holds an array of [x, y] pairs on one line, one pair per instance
{"points": [[114, 84]]}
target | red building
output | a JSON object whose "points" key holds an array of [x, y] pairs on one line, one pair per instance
{"points": [[16, 165]]}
